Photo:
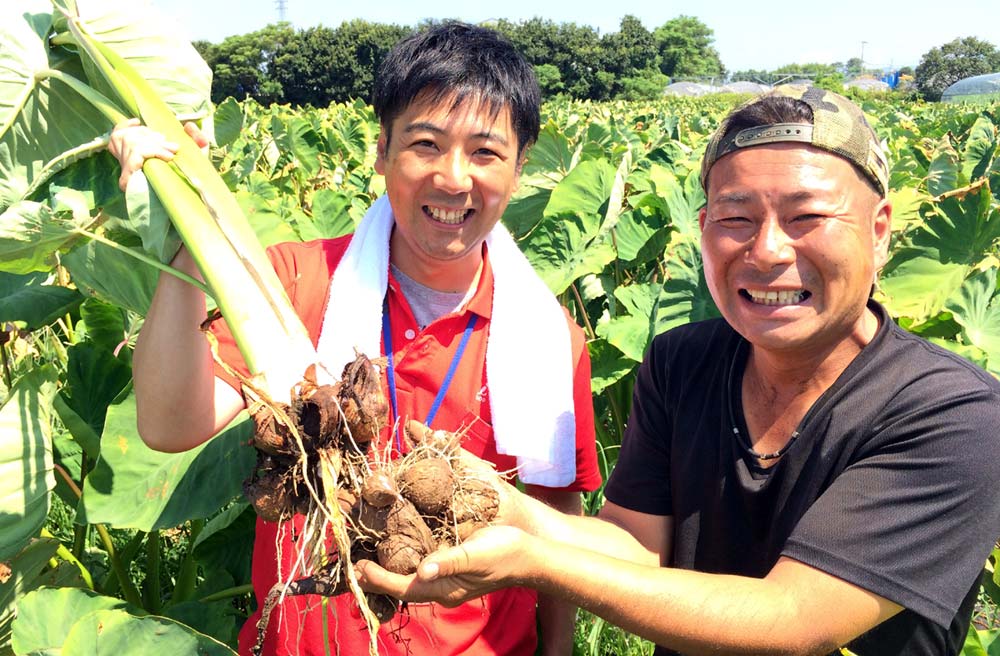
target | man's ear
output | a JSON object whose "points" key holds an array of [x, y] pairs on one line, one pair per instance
{"points": [[701, 217], [380, 150], [882, 232]]}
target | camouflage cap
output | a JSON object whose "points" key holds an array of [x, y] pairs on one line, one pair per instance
{"points": [[839, 126]]}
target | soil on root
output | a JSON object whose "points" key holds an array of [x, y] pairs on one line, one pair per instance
{"points": [[316, 458]]}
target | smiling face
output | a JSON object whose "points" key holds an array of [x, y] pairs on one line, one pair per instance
{"points": [[449, 173], [792, 237]]}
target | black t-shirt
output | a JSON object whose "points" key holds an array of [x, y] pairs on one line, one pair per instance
{"points": [[891, 484]]}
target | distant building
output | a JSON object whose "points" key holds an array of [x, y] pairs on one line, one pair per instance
{"points": [[980, 88]]}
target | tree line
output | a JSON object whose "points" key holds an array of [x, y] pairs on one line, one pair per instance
{"points": [[319, 65]]}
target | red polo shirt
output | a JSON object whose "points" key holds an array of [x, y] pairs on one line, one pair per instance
{"points": [[502, 622]]}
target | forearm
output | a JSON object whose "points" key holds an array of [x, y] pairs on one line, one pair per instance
{"points": [[699, 613], [173, 368], [538, 519]]}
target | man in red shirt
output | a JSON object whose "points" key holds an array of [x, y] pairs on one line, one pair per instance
{"points": [[458, 108]]}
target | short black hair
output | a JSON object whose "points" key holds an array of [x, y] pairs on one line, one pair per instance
{"points": [[463, 62]]}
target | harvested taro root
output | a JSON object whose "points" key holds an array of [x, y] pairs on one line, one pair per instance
{"points": [[316, 457]]}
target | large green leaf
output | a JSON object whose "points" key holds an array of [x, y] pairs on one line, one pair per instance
{"points": [[133, 486], [26, 476], [330, 216], [113, 632], [630, 333], [226, 542], [113, 276], [607, 365], [916, 283], [227, 122], [980, 148], [975, 308], [25, 298], [102, 324], [564, 248], [945, 171], [25, 569], [46, 616], [30, 235], [153, 43], [41, 119], [643, 233], [94, 378], [683, 197], [685, 297], [585, 190]]}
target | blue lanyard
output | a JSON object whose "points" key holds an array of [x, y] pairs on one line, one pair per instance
{"points": [[387, 339]]}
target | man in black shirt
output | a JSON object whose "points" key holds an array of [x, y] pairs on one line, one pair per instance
{"points": [[800, 476]]}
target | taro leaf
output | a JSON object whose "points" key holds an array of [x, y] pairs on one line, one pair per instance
{"points": [[68, 454], [330, 216], [642, 234], [980, 149], [226, 542], [133, 486], [585, 190], [685, 297], [607, 365], [568, 242], [148, 219], [25, 571], [152, 42], [632, 332], [103, 324], [550, 158], [957, 236], [113, 276], [117, 632], [945, 172], [30, 233], [682, 200], [82, 432], [963, 229], [45, 617], [297, 139], [525, 209], [40, 118], [94, 379], [916, 283], [24, 298], [564, 248], [265, 216], [228, 122], [26, 476], [975, 308], [214, 619]]}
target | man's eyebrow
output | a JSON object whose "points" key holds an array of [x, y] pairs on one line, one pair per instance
{"points": [[743, 197], [426, 126]]}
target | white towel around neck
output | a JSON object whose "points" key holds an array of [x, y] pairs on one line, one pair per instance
{"points": [[529, 361]]}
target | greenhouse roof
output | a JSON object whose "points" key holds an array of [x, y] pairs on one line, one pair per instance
{"points": [[689, 89], [980, 87], [867, 84], [746, 87]]}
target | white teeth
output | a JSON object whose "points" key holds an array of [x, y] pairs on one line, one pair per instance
{"points": [[783, 297], [448, 216]]}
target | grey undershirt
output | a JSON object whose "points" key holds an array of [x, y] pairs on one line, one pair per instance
{"points": [[427, 304]]}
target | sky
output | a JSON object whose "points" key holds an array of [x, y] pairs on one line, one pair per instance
{"points": [[749, 34]]}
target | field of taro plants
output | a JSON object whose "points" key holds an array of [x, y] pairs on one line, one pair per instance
{"points": [[98, 530]]}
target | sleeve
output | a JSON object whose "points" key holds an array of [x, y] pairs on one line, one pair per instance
{"points": [[641, 477], [915, 515]]}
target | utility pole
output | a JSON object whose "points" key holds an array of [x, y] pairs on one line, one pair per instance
{"points": [[863, 44]]}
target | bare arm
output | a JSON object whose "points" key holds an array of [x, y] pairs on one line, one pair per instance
{"points": [[179, 401], [600, 566], [557, 618]]}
